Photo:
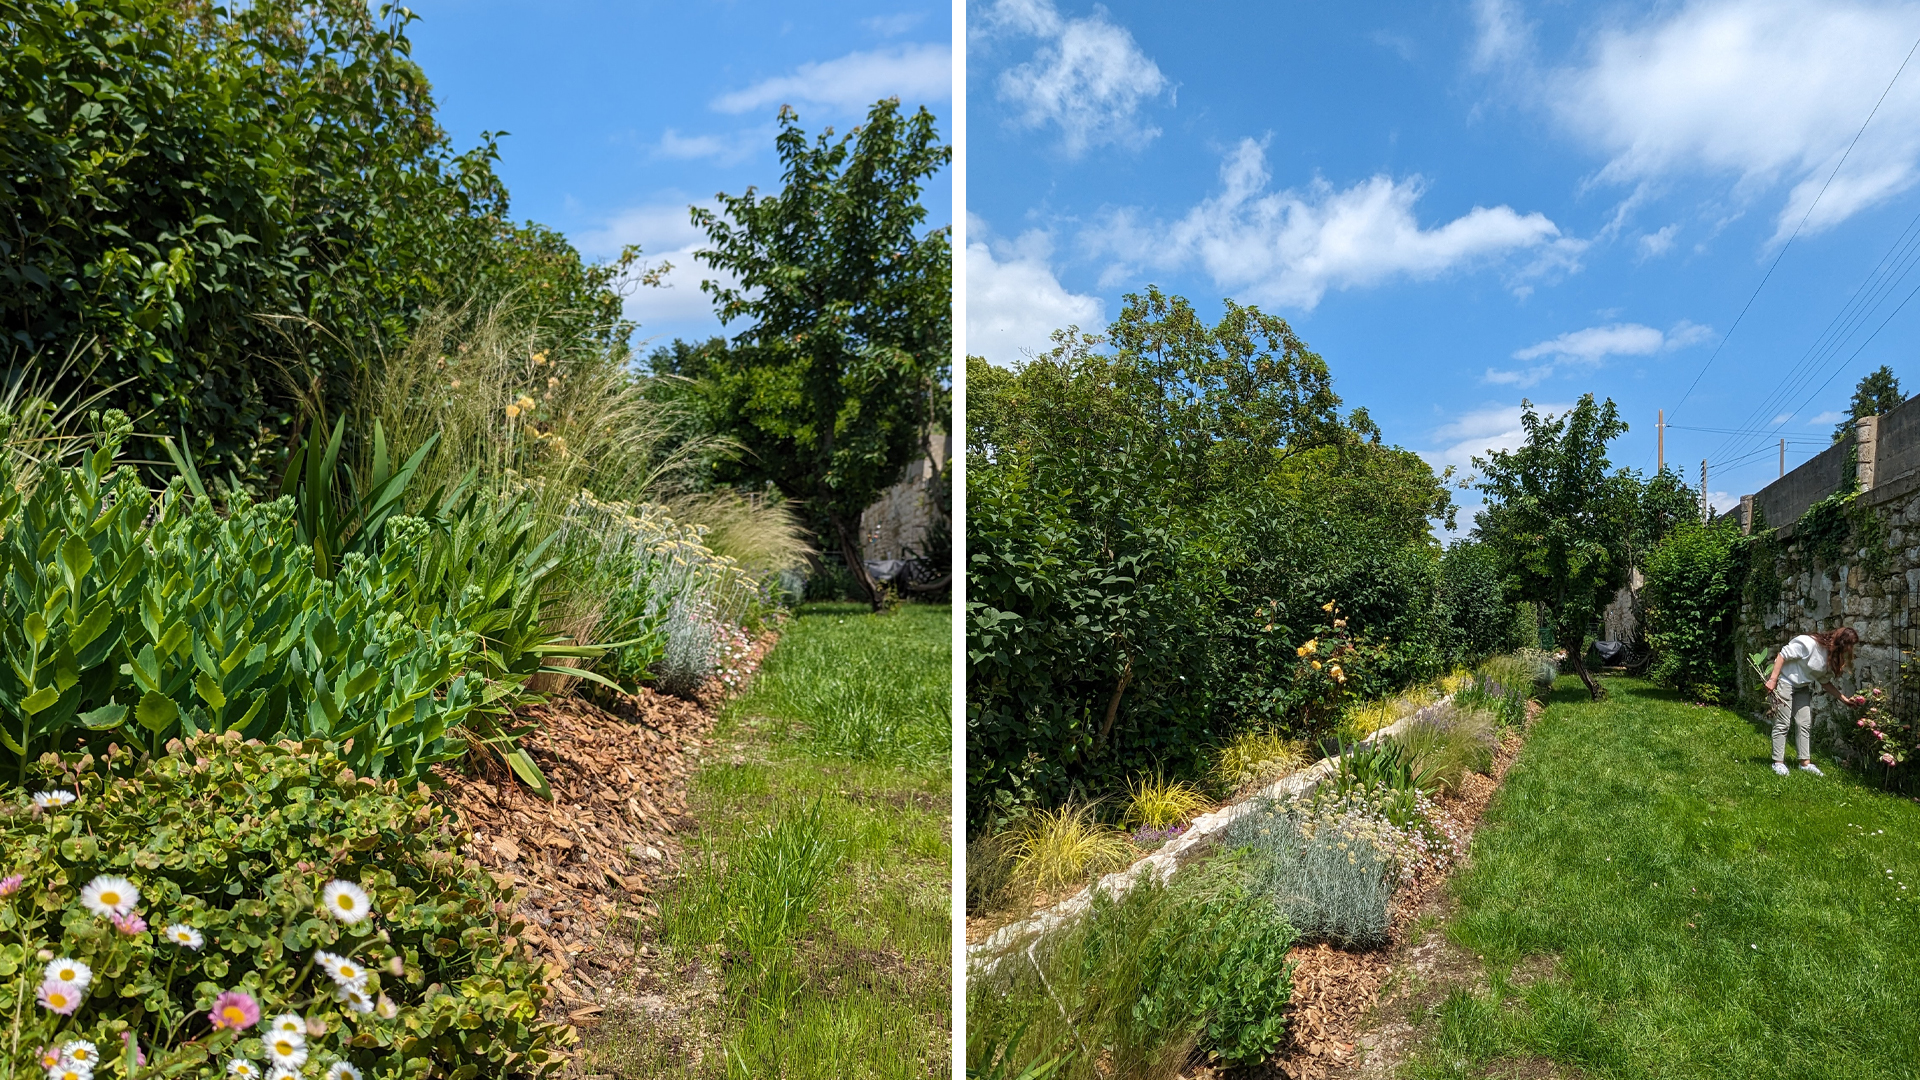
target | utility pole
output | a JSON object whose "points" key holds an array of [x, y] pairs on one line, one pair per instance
{"points": [[1706, 514], [1660, 426], [1783, 457]]}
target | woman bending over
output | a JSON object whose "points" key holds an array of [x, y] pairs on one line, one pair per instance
{"points": [[1807, 659]]}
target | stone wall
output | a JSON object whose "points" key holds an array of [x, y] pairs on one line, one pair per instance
{"points": [[895, 526], [1817, 595]]}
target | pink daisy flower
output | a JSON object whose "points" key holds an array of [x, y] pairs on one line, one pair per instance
{"points": [[234, 1011], [60, 997]]}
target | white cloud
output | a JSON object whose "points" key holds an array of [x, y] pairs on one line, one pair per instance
{"points": [[1594, 344], [1088, 76], [1658, 243], [1828, 417], [1763, 91], [915, 73], [1503, 39], [729, 149], [1477, 433], [1014, 301], [894, 25], [1291, 246], [665, 233]]}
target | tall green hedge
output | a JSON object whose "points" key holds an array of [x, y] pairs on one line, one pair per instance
{"points": [[1694, 582], [1147, 556], [213, 211]]}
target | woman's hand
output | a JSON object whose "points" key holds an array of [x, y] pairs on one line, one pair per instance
{"points": [[1857, 701], [1770, 681]]}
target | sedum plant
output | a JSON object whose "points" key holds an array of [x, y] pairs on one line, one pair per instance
{"points": [[239, 909]]}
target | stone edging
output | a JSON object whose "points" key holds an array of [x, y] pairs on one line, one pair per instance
{"points": [[1164, 862]]}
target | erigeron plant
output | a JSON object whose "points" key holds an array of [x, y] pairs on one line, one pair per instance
{"points": [[243, 910]]}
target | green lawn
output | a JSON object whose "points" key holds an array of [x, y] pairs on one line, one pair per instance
{"points": [[1708, 918], [817, 899]]}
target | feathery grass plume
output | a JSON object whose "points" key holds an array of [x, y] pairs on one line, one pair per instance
{"points": [[759, 531], [1157, 803], [1065, 846], [1252, 758], [39, 425], [1449, 743]]}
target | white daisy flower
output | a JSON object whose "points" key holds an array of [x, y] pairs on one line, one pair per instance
{"points": [[348, 902], [80, 1052], [285, 1050], [108, 895], [68, 970], [386, 1008], [69, 1072], [47, 800], [355, 998], [343, 1071], [186, 936], [289, 1023], [345, 970], [242, 1069], [280, 1073]]}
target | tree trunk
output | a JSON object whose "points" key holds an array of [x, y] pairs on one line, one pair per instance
{"points": [[1577, 653], [1113, 703], [850, 551]]}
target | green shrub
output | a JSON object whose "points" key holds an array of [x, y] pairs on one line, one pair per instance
{"points": [[1694, 581], [1142, 979], [138, 618], [232, 846], [1331, 860]]}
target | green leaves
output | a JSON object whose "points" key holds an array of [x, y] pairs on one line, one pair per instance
{"points": [[840, 372], [237, 840]]}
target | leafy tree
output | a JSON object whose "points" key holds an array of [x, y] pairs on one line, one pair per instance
{"points": [[1153, 532], [219, 211], [1694, 581], [1877, 392], [1558, 521], [843, 368]]}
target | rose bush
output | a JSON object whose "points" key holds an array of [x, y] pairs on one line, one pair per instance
{"points": [[238, 909]]}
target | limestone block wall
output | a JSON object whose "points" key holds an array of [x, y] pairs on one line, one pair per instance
{"points": [[1883, 607]]}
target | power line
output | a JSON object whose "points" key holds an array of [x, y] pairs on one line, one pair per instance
{"points": [[1796, 229], [1867, 297]]}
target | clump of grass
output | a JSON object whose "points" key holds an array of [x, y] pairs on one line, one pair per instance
{"points": [[1135, 985], [1447, 744], [1455, 681], [1156, 802], [990, 871], [1362, 720], [1253, 758], [1060, 847]]}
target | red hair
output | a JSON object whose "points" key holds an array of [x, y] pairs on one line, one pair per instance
{"points": [[1839, 643]]}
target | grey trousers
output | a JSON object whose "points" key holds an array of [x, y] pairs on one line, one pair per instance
{"points": [[1792, 705]]}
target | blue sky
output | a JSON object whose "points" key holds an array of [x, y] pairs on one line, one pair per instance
{"points": [[1463, 205], [622, 114]]}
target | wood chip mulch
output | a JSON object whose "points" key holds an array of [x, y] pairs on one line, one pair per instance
{"points": [[1334, 990], [589, 862]]}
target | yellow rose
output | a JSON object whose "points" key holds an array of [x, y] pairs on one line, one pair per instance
{"points": [[1316, 665]]}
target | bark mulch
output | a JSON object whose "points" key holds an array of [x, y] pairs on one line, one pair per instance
{"points": [[1335, 992], [587, 863]]}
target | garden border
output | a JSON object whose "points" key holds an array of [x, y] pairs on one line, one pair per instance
{"points": [[983, 957]]}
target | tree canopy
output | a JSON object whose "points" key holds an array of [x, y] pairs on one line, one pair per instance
{"points": [[216, 211], [842, 371], [1877, 392]]}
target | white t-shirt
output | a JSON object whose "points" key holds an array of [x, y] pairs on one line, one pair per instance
{"points": [[1806, 662]]}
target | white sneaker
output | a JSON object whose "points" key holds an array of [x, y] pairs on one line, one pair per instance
{"points": [[1812, 768], [1780, 767]]}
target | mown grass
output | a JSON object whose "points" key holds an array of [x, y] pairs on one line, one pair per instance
{"points": [[1704, 917], [817, 895]]}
